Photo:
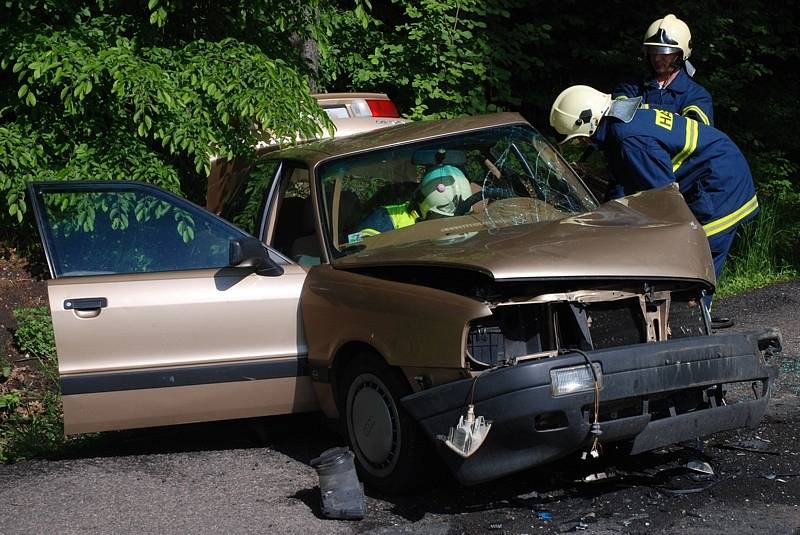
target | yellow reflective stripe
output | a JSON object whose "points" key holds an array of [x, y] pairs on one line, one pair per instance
{"points": [[724, 223], [698, 111], [367, 232], [689, 146], [621, 97]]}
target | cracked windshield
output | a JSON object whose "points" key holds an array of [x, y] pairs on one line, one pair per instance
{"points": [[448, 188]]}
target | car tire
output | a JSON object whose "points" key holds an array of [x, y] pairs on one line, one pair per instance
{"points": [[389, 446]]}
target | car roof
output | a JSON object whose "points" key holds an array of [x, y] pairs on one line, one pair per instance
{"points": [[318, 151]]}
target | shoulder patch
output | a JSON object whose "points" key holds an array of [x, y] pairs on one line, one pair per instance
{"points": [[664, 119]]}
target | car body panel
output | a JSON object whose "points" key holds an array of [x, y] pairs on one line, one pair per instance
{"points": [[150, 407], [345, 307], [177, 319], [557, 249], [162, 347]]}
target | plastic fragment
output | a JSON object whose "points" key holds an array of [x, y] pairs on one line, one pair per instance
{"points": [[470, 433], [701, 467]]}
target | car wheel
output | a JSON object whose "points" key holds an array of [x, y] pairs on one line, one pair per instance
{"points": [[388, 445]]}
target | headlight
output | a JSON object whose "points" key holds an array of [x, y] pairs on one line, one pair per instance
{"points": [[574, 379]]}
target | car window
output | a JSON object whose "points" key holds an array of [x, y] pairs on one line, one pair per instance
{"points": [[108, 230], [490, 178], [249, 190], [295, 231]]}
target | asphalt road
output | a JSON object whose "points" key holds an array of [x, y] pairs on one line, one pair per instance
{"points": [[253, 476]]}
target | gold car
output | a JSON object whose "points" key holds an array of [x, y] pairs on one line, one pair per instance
{"points": [[502, 320]]}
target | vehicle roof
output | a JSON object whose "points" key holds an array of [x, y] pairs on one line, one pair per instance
{"points": [[315, 152]]}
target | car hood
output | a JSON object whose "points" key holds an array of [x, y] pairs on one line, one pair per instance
{"points": [[651, 234]]}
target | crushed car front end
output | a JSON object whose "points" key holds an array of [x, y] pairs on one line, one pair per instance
{"points": [[651, 395]]}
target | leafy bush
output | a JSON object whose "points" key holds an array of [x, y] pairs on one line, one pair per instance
{"points": [[31, 424]]}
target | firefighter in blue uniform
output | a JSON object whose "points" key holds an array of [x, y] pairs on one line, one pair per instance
{"points": [[667, 46], [439, 193], [648, 148]]}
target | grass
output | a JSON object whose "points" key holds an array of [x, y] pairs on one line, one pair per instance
{"points": [[762, 256]]}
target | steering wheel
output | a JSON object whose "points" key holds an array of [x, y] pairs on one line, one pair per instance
{"points": [[490, 193]]}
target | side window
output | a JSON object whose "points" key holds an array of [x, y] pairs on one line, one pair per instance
{"points": [[130, 230], [295, 228]]}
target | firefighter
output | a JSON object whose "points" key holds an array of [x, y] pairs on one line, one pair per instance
{"points": [[650, 148], [439, 193], [667, 47]]}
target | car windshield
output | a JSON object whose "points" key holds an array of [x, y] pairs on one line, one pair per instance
{"points": [[450, 186]]}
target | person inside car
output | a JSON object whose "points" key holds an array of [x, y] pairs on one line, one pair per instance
{"points": [[439, 193]]}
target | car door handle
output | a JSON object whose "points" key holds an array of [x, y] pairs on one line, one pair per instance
{"points": [[86, 303]]}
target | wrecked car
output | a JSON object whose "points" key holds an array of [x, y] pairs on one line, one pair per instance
{"points": [[521, 322]]}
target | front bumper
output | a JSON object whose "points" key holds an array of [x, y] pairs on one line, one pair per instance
{"points": [[640, 401]]}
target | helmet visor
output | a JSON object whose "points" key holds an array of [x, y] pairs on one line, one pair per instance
{"points": [[660, 49]]}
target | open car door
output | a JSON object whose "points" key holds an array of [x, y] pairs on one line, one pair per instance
{"points": [[164, 313]]}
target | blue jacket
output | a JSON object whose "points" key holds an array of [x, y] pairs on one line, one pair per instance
{"points": [[657, 147], [683, 95]]}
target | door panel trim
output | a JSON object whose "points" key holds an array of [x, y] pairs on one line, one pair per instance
{"points": [[90, 383], [104, 411]]}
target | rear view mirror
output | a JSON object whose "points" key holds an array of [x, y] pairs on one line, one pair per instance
{"points": [[249, 252]]}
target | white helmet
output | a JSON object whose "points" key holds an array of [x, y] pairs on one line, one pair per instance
{"points": [[577, 111], [667, 36], [442, 188]]}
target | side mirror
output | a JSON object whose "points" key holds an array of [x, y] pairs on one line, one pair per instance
{"points": [[249, 252]]}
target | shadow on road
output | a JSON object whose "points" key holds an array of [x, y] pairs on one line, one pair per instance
{"points": [[301, 437]]}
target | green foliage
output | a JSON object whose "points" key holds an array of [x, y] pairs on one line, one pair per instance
{"points": [[757, 260], [112, 90], [443, 58], [34, 335], [30, 421]]}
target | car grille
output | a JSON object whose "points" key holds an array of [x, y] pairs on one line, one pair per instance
{"points": [[516, 331]]}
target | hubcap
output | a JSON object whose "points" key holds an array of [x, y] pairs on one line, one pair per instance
{"points": [[373, 424]]}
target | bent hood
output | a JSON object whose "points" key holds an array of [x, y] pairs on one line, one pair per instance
{"points": [[651, 234]]}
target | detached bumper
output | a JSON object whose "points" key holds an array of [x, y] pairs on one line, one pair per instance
{"points": [[652, 394]]}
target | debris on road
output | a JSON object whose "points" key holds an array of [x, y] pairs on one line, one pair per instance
{"points": [[342, 492], [700, 467], [755, 445]]}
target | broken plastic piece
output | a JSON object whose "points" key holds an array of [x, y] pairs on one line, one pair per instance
{"points": [[700, 466], [469, 434], [596, 477], [756, 445], [544, 516]]}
